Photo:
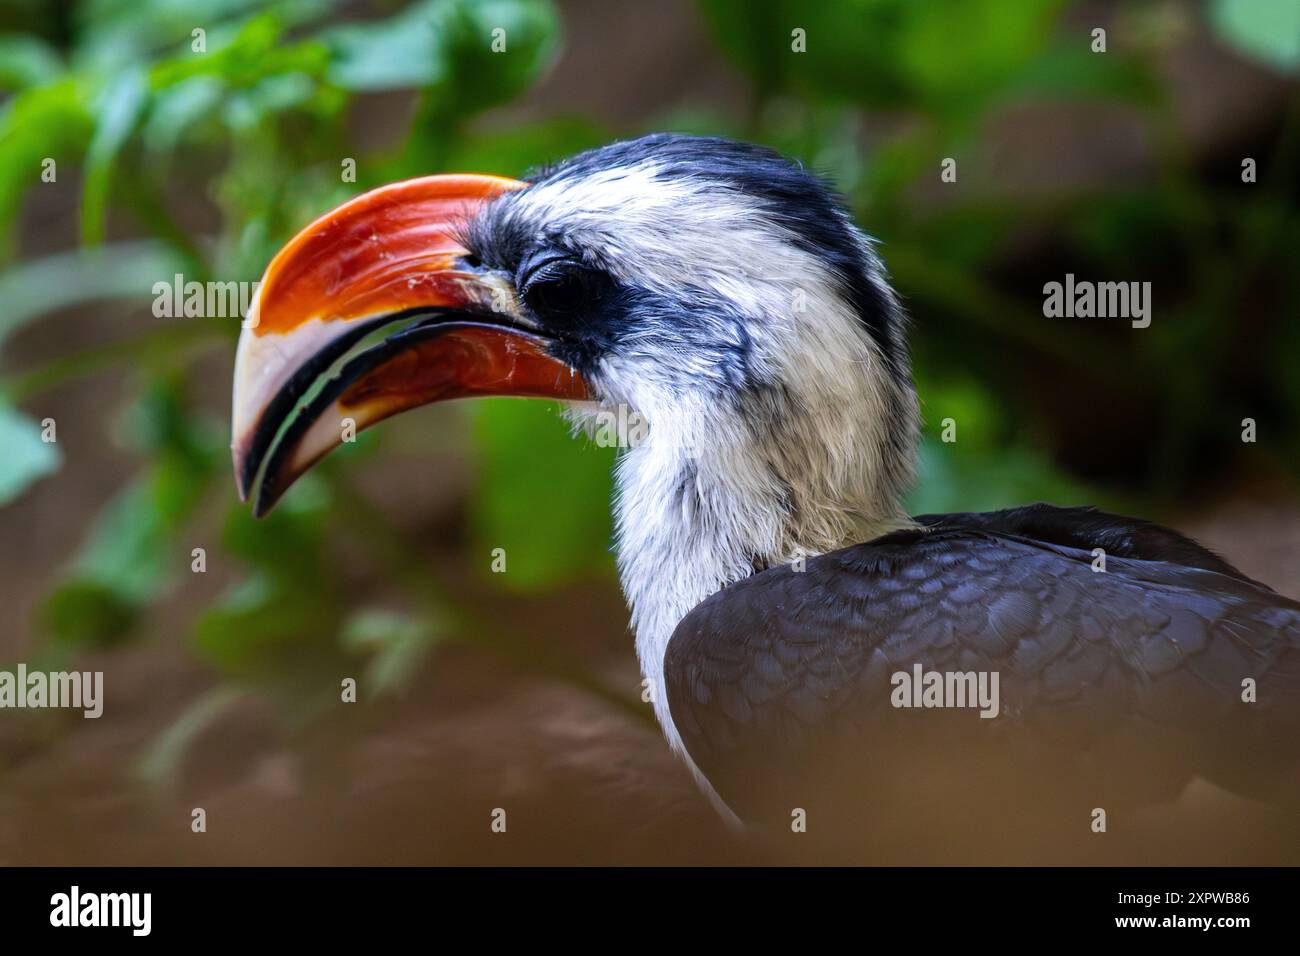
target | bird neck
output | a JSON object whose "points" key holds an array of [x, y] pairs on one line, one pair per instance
{"points": [[706, 502]]}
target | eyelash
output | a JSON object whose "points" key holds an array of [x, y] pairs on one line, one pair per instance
{"points": [[541, 267], [548, 271]]}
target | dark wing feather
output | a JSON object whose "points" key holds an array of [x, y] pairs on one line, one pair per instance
{"points": [[1125, 682]]}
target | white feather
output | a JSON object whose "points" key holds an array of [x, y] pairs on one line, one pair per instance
{"points": [[713, 493]]}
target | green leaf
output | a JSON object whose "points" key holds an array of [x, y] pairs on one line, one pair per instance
{"points": [[88, 612], [118, 110], [1074, 72], [956, 53], [251, 629], [117, 34], [955, 480], [851, 47], [133, 554], [286, 606], [1265, 30], [178, 108], [449, 43], [542, 495], [117, 271], [166, 753], [25, 61], [948, 56], [244, 57], [247, 109], [485, 76], [49, 122], [400, 52], [24, 456], [125, 563], [288, 543], [397, 644], [130, 549]]}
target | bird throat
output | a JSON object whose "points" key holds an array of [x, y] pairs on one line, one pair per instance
{"points": [[690, 525]]}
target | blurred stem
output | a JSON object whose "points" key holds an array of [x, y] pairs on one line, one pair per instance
{"points": [[162, 759], [404, 556], [147, 348]]}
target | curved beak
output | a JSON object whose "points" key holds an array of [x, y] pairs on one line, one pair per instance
{"points": [[369, 311]]}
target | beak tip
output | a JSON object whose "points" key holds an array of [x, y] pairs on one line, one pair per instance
{"points": [[265, 501]]}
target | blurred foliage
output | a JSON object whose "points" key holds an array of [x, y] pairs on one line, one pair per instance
{"points": [[915, 82], [28, 456], [1269, 31], [136, 102], [247, 110], [548, 532]]}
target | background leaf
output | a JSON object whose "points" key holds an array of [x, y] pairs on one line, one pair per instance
{"points": [[541, 495], [27, 61], [1267, 30], [118, 109], [123, 271], [24, 456]]}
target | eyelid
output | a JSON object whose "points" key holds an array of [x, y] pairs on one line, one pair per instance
{"points": [[539, 265]]}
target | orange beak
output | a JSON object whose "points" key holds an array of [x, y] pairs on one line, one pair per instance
{"points": [[387, 261]]}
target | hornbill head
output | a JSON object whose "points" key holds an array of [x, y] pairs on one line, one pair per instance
{"points": [[716, 289]]}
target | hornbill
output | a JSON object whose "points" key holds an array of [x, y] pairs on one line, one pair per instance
{"points": [[777, 588]]}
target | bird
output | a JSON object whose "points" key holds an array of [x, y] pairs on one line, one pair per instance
{"points": [[812, 652]]}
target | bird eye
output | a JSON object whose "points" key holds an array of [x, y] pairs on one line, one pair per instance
{"points": [[560, 290]]}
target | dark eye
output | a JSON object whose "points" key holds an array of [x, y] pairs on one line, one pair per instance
{"points": [[562, 290]]}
